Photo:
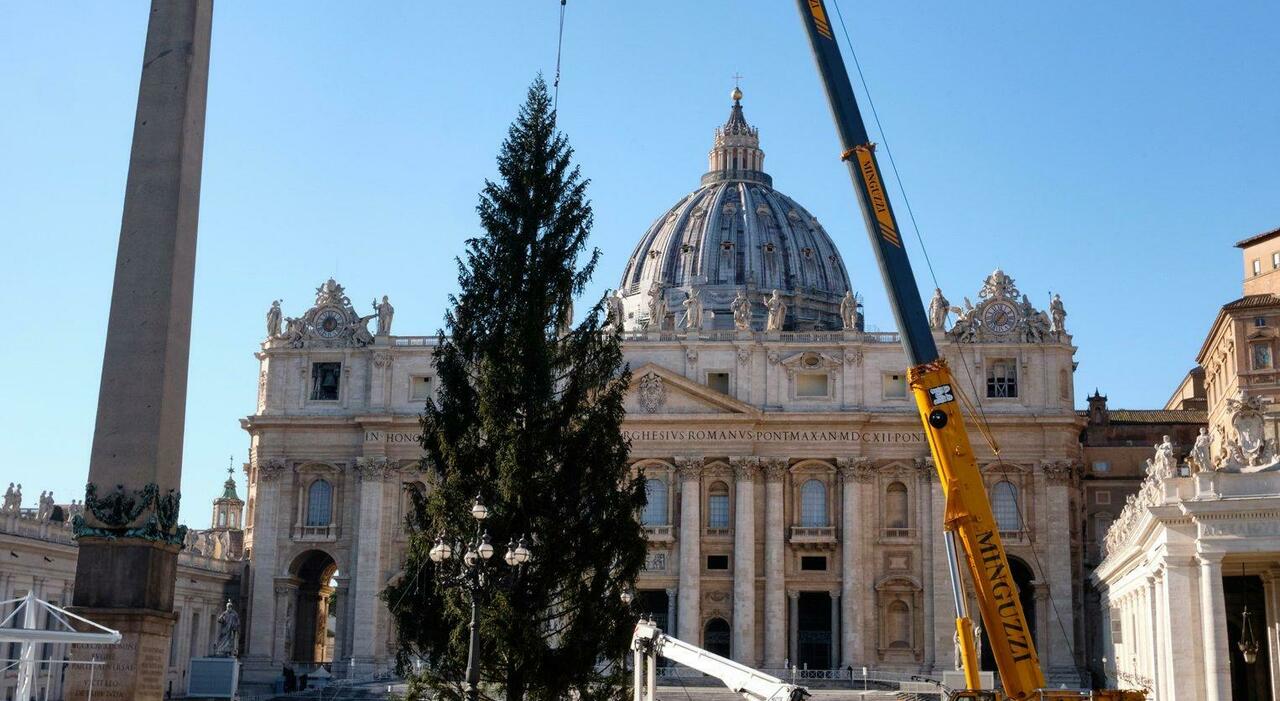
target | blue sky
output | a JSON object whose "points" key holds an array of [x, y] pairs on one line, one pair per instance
{"points": [[1111, 152]]}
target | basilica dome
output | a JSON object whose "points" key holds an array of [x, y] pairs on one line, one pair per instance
{"points": [[735, 234]]}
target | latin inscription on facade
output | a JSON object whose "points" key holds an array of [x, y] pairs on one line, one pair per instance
{"points": [[773, 436], [390, 437]]}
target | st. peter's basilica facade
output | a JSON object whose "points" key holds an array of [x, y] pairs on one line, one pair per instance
{"points": [[793, 512]]}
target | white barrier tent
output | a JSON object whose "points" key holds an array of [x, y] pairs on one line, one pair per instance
{"points": [[29, 635]]}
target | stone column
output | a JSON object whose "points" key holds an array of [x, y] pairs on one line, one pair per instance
{"points": [[924, 487], [1157, 631], [368, 576], [127, 559], [793, 627], [1213, 635], [1058, 659], [342, 602], [1271, 600], [284, 633], [744, 563], [775, 638], [834, 659], [690, 470], [271, 516], [854, 472], [672, 594]]}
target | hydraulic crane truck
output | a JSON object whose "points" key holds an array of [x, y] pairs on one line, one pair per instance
{"points": [[968, 517]]}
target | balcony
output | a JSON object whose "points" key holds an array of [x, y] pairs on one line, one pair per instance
{"points": [[717, 533], [1017, 537], [315, 534], [899, 534], [659, 534], [813, 537]]}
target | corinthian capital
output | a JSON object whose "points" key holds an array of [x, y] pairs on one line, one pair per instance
{"points": [[775, 469], [271, 468], [926, 469], [689, 468], [855, 469], [745, 467], [374, 469]]}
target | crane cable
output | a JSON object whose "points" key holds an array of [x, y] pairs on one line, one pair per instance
{"points": [[555, 104], [980, 420]]}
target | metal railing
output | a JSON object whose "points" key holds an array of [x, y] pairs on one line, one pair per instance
{"points": [[813, 534]]}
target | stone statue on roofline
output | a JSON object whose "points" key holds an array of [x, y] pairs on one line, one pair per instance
{"points": [[741, 308], [693, 310], [273, 320], [1198, 458], [657, 307], [938, 308], [1059, 314], [385, 314], [615, 314], [849, 311], [777, 312]]}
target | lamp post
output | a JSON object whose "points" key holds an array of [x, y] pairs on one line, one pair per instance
{"points": [[472, 571]]}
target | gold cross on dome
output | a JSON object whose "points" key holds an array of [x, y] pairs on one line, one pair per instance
{"points": [[737, 78]]}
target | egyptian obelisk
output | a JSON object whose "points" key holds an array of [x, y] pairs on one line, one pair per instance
{"points": [[129, 535]]}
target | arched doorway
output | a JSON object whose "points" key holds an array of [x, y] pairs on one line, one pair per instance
{"points": [[1022, 579], [315, 623], [715, 637]]}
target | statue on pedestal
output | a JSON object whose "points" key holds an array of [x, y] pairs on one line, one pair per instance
{"points": [[228, 643], [615, 316], [938, 308], [741, 309], [1059, 315], [657, 307], [777, 312], [1199, 458], [693, 310], [385, 313], [849, 311], [273, 320], [1164, 465]]}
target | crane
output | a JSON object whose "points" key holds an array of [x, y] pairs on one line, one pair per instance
{"points": [[648, 643], [968, 520]]}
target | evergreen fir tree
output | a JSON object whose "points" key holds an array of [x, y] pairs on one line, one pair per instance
{"points": [[528, 414]]}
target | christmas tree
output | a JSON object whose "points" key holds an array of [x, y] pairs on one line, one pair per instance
{"points": [[527, 415]]}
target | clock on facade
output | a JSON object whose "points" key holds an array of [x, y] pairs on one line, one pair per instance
{"points": [[329, 322], [1000, 317]]}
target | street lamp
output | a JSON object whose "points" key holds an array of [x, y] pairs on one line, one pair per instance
{"points": [[473, 573]]}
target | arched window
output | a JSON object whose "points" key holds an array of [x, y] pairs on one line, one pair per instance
{"points": [[813, 504], [895, 505], [319, 503], [1004, 503], [899, 624], [715, 638], [222, 517], [718, 506], [655, 508]]}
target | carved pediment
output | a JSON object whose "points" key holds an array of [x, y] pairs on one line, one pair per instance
{"points": [[655, 390], [810, 361]]}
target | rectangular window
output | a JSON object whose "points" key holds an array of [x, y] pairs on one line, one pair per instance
{"points": [[1116, 637], [1259, 321], [1002, 378], [325, 379], [1257, 267], [895, 386], [719, 381], [1261, 353], [1101, 466], [1275, 261], [1102, 497], [717, 562], [419, 388], [812, 384], [718, 511], [813, 563]]}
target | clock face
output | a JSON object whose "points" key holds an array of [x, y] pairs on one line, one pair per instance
{"points": [[329, 322], [1000, 317]]}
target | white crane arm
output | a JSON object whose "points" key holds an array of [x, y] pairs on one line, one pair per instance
{"points": [[752, 684]]}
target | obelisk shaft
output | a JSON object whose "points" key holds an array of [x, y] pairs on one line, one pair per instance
{"points": [[129, 537]]}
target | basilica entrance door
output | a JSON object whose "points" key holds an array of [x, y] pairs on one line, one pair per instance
{"points": [[814, 645]]}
